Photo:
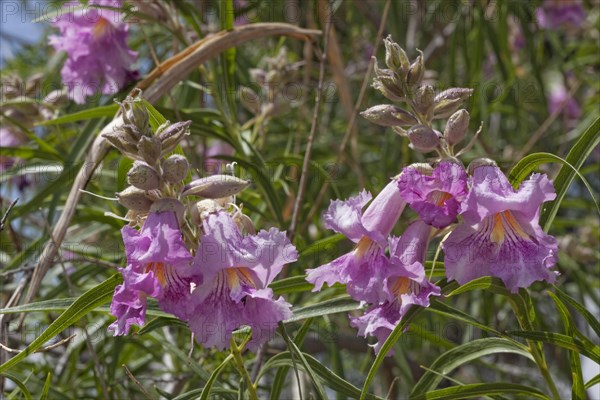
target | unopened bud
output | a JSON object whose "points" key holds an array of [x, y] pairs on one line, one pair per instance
{"points": [[116, 139], [450, 100], [480, 162], [175, 168], [215, 186], [453, 94], [422, 168], [424, 100], [395, 57], [259, 76], [149, 148], [172, 135], [199, 211], [143, 176], [389, 115], [169, 205], [416, 71], [134, 199], [456, 127], [423, 138], [249, 99], [385, 81]]}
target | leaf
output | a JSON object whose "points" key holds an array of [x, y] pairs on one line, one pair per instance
{"points": [[292, 284], [96, 112], [331, 306], [577, 389], [564, 341], [87, 302], [20, 384], [589, 317], [46, 387], [576, 157], [481, 389], [213, 377], [457, 356], [592, 382], [156, 118]]}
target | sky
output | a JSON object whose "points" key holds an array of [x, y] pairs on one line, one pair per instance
{"points": [[16, 24]]}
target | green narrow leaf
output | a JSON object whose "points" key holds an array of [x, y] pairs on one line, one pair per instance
{"points": [[46, 387], [481, 389], [457, 356], [96, 112], [87, 302], [331, 306], [292, 284], [594, 381], [588, 316], [577, 390], [566, 342], [213, 377], [156, 118], [576, 157], [20, 384]]}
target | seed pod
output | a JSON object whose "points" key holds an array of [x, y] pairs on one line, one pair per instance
{"points": [[215, 186], [424, 100], [480, 162], [416, 71], [172, 135], [149, 148], [143, 176], [175, 168], [134, 199], [389, 115], [456, 127], [423, 138]]}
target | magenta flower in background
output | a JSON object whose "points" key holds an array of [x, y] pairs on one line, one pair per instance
{"points": [[405, 285], [560, 100], [362, 269], [236, 272], [435, 197], [553, 14], [10, 137], [501, 235], [98, 59], [158, 265]]}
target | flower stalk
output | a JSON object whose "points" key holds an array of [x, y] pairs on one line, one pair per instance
{"points": [[236, 352]]}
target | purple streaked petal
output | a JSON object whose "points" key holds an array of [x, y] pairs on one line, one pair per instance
{"points": [[345, 216], [383, 212]]}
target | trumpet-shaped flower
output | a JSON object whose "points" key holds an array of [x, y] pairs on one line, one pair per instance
{"points": [[500, 235], [236, 272], [95, 40], [435, 197], [158, 265], [361, 269], [405, 285]]}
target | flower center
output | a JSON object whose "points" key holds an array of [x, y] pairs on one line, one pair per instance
{"points": [[237, 277], [159, 271], [404, 285], [439, 197], [504, 224], [100, 28], [363, 247]]}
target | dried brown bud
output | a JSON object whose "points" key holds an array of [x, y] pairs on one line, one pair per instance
{"points": [[171, 135], [216, 186], [175, 168], [389, 115], [134, 199], [423, 138], [143, 176], [456, 127], [416, 71]]}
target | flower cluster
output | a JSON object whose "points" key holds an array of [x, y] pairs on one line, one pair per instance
{"points": [[200, 259], [95, 40], [491, 229]]}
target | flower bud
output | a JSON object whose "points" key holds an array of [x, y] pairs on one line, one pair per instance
{"points": [[450, 100], [172, 135], [134, 199], [143, 176], [456, 127], [389, 115], [258, 75], [424, 100], [117, 140], [215, 186], [175, 168], [395, 57], [423, 138], [249, 100], [386, 82], [200, 210], [149, 148], [453, 94], [480, 162], [416, 71]]}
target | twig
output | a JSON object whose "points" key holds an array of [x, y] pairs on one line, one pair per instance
{"points": [[352, 120], [43, 349], [137, 383], [311, 136], [5, 216]]}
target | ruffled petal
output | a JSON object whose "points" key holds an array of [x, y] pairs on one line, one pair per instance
{"points": [[345, 216], [129, 308], [383, 213]]}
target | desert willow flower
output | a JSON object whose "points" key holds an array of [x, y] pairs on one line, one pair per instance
{"points": [[500, 234], [404, 285], [361, 269], [95, 40]]}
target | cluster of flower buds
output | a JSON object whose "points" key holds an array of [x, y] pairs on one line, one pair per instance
{"points": [[156, 172], [274, 80], [402, 81]]}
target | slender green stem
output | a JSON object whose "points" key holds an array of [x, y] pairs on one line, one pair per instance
{"points": [[239, 363]]}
